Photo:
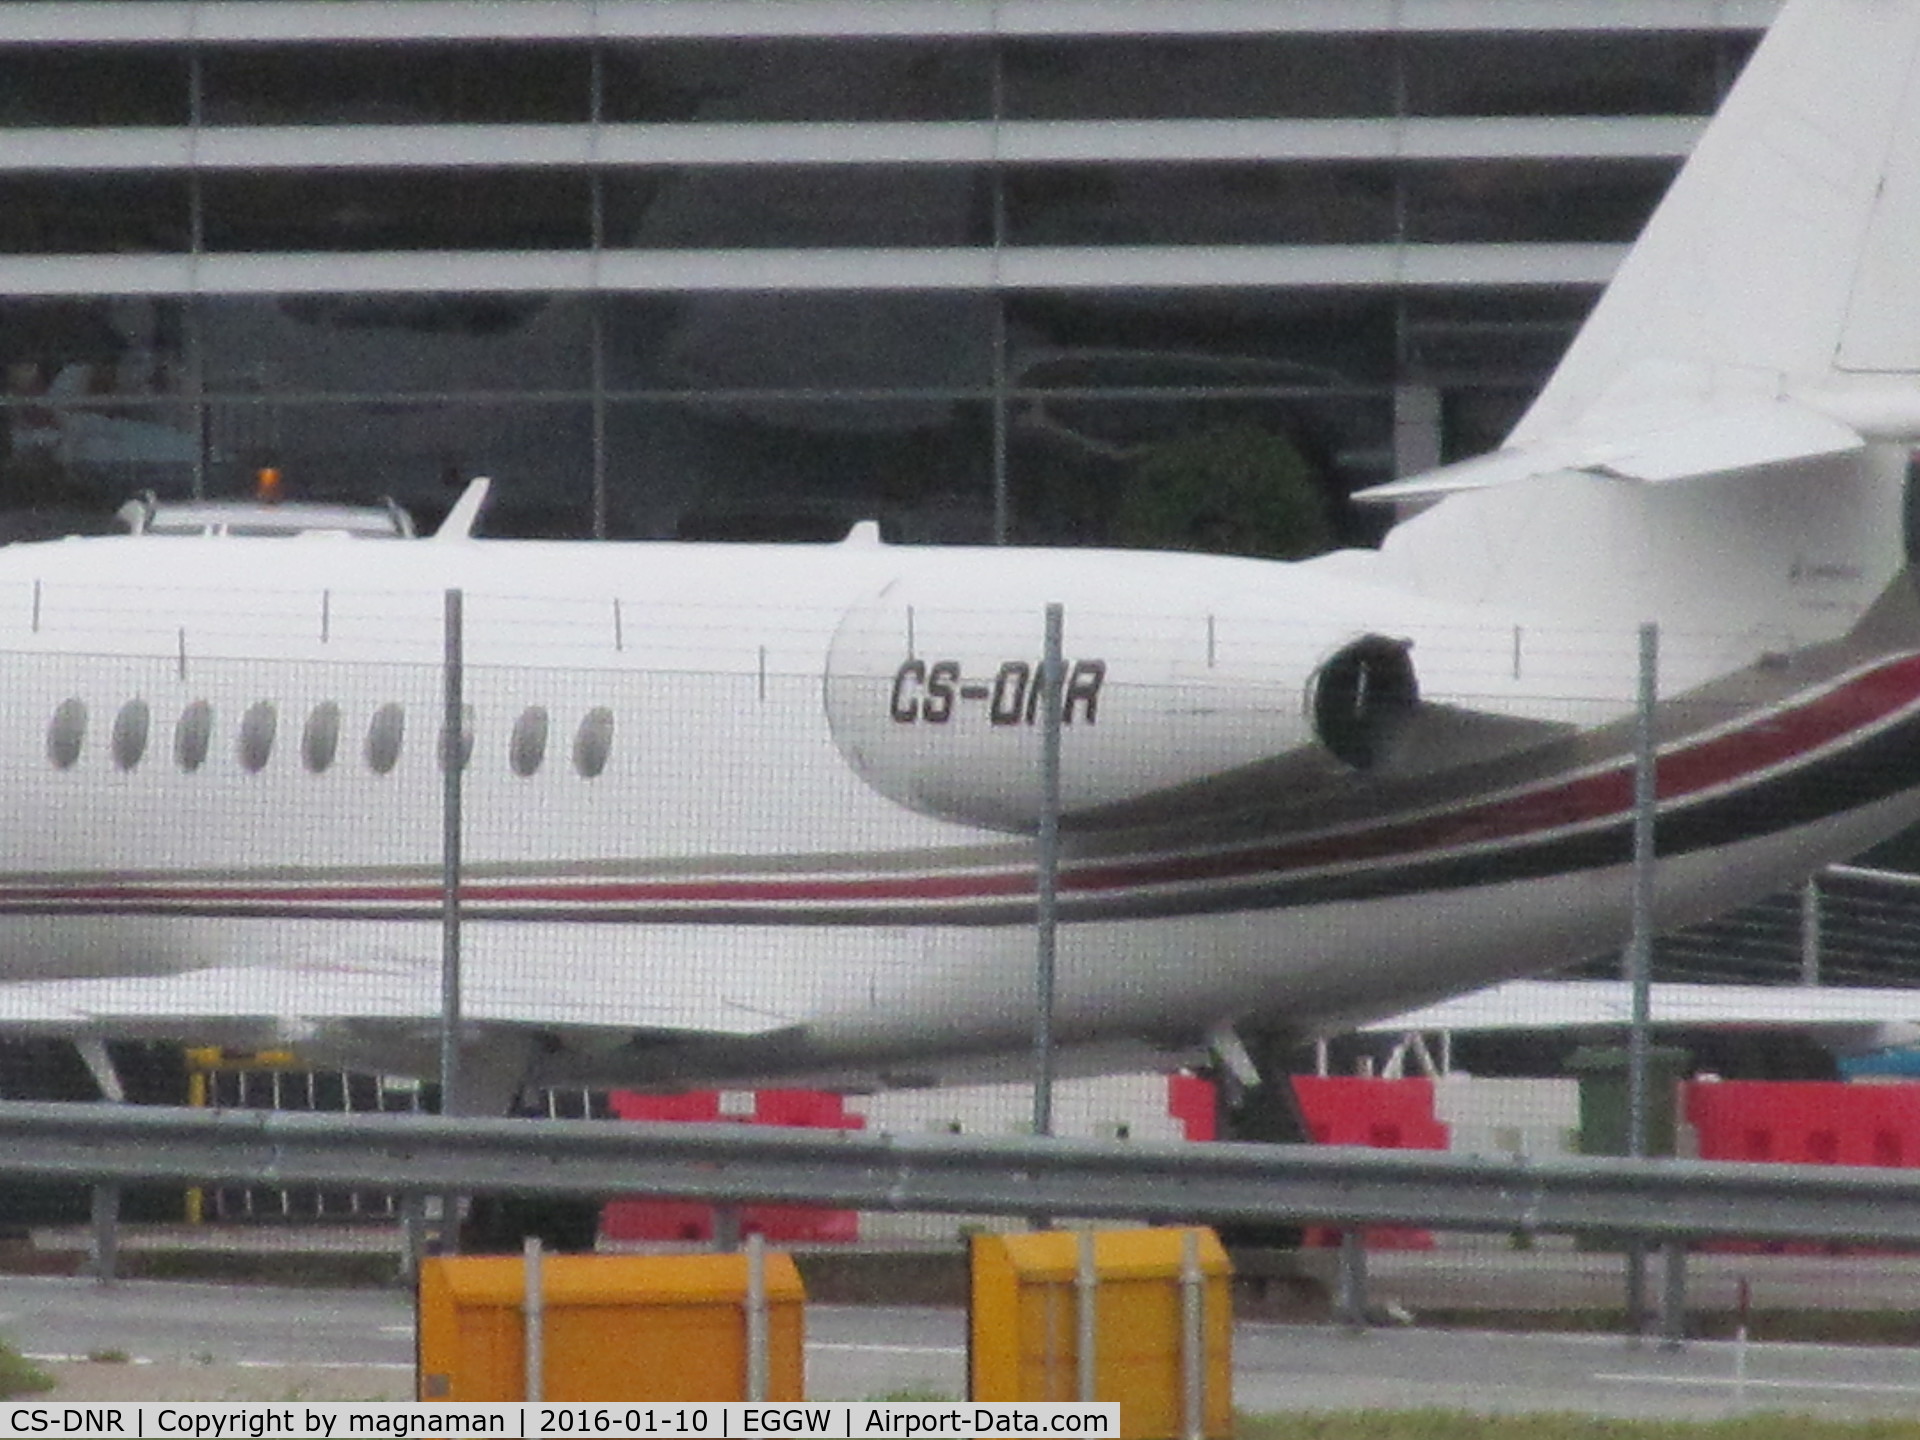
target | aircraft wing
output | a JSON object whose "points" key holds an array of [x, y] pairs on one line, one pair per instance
{"points": [[1843, 1017], [292, 1004]]}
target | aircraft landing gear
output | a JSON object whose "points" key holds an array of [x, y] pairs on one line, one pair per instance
{"points": [[501, 1224], [1255, 1100], [1253, 1082]]}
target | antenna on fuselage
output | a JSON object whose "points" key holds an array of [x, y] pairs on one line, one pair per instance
{"points": [[466, 510]]}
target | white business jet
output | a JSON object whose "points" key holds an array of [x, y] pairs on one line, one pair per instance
{"points": [[742, 812]]}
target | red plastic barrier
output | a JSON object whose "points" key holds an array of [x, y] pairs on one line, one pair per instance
{"points": [[694, 1106], [814, 1109], [1190, 1100], [1379, 1114], [1807, 1122], [814, 1224], [1382, 1114], [687, 1220], [1339, 1110], [693, 1221]]}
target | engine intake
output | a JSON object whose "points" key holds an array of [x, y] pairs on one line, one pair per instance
{"points": [[1362, 697]]}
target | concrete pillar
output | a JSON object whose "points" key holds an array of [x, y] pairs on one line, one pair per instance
{"points": [[1416, 429]]}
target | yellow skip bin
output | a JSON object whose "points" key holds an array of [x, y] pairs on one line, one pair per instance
{"points": [[611, 1328], [1142, 1317]]}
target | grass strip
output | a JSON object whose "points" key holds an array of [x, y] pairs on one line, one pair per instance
{"points": [[1454, 1425], [20, 1377]]}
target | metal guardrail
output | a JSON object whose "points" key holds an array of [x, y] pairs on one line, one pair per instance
{"points": [[1657, 1199]]}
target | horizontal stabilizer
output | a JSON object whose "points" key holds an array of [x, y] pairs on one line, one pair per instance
{"points": [[1720, 441]]}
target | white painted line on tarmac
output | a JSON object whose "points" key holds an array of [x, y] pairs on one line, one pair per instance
{"points": [[1728, 1382], [52, 1359], [886, 1349]]}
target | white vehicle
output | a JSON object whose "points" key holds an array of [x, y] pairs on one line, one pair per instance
{"points": [[147, 514], [740, 813]]}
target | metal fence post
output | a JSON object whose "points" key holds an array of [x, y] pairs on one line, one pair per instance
{"points": [[1810, 932], [1047, 867], [1350, 1301], [1086, 1295], [453, 686], [105, 1259], [1673, 1296], [533, 1316], [1193, 1354], [1639, 958], [413, 1235], [1743, 1313], [757, 1328]]}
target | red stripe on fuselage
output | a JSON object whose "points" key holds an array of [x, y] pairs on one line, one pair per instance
{"points": [[1717, 761]]}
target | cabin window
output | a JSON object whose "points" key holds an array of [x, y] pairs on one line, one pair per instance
{"points": [[66, 733], [384, 733], [528, 748], [321, 739], [257, 729], [130, 733], [594, 742], [193, 735]]}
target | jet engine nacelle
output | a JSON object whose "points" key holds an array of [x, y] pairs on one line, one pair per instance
{"points": [[1362, 696], [938, 707]]}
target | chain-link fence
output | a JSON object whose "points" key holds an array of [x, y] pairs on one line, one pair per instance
{"points": [[776, 859]]}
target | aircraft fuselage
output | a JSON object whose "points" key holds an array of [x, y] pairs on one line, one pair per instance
{"points": [[732, 811]]}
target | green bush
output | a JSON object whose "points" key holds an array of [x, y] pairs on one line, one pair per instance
{"points": [[1232, 489]]}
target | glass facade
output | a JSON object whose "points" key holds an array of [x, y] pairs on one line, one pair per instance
{"points": [[676, 279], [1201, 204], [92, 85], [481, 83], [349, 211], [95, 214], [1164, 77], [1541, 74], [778, 80], [1523, 201], [801, 206]]}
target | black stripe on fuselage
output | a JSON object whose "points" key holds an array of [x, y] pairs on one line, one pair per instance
{"points": [[1878, 767]]}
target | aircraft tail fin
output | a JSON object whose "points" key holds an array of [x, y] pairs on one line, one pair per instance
{"points": [[1781, 259]]}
